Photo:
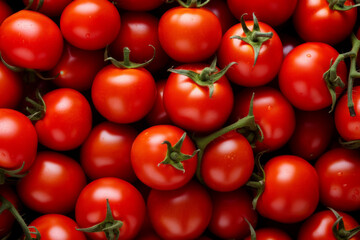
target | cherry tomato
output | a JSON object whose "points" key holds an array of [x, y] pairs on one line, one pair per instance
{"points": [[11, 88], [139, 5], [221, 10], [6, 218], [51, 8], [52, 184], [268, 233], [5, 10]]}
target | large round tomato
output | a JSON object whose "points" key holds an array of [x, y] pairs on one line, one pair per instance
{"points": [[126, 203], [11, 88], [52, 184], [30, 40], [189, 34], [301, 75]]}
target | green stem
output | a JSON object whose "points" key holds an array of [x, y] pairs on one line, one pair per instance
{"points": [[339, 5], [192, 3]]}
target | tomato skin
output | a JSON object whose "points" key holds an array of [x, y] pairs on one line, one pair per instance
{"points": [[98, 20], [30, 40], [139, 5], [189, 34], [52, 184], [51, 8], [268, 233], [301, 75], [19, 140], [183, 213], [123, 95], [6, 218], [346, 125], [125, 201], [229, 211], [148, 151], [312, 20], [227, 163], [67, 121], [244, 73], [289, 182], [222, 11], [57, 226], [319, 226], [106, 152], [5, 11], [11, 88]]}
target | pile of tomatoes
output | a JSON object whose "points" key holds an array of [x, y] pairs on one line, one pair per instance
{"points": [[154, 119]]}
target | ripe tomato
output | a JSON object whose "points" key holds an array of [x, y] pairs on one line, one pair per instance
{"points": [[148, 151], [227, 162], [268, 233], [189, 34], [11, 88], [106, 151], [221, 10], [52, 184], [301, 75], [30, 40], [139, 5], [183, 213], [6, 218], [126, 203], [51, 8], [5, 10], [18, 140], [312, 19], [291, 191], [67, 120], [123, 95], [90, 24], [57, 226]]}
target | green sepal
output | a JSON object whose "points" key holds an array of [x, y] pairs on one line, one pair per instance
{"points": [[38, 107], [338, 228], [339, 5], [355, 144], [252, 230], [11, 173], [191, 3]]}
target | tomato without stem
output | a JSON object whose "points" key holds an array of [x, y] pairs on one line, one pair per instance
{"points": [[269, 233], [11, 88], [222, 11], [5, 11]]}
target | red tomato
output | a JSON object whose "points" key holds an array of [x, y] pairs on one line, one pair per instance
{"points": [[346, 125], [67, 120], [189, 105], [51, 8], [6, 218], [11, 87], [148, 151], [339, 185], [183, 213], [227, 162], [52, 184], [90, 24], [270, 234], [245, 73], [301, 75], [30, 40], [312, 20], [5, 10], [18, 140], [221, 10], [77, 68], [229, 211], [139, 5], [189, 34], [126, 203], [273, 113], [291, 191], [123, 95], [57, 226], [106, 152]]}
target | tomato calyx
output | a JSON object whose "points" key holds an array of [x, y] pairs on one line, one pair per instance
{"points": [[126, 63], [338, 228], [255, 37], [109, 226], [339, 5], [207, 77], [39, 5], [4, 173], [174, 156], [252, 230], [38, 109], [355, 144], [7, 205], [190, 3]]}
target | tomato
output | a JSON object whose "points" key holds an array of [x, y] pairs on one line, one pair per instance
{"points": [[67, 120], [30, 40], [319, 226], [52, 184], [90, 24], [56, 226], [18, 140], [301, 75], [5, 10], [348, 126], [245, 73], [189, 34], [137, 32], [51, 8], [183, 213], [312, 19], [272, 112], [123, 95], [291, 191], [139, 5], [11, 87], [289, 42], [126, 203], [273, 13], [77, 68], [6, 218], [148, 152], [227, 162], [229, 213], [313, 133], [106, 151], [268, 233], [190, 106], [221, 10]]}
